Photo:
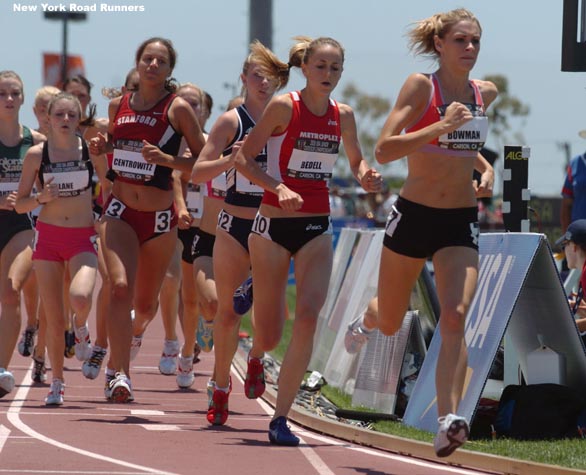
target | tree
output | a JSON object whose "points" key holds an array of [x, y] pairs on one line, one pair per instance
{"points": [[370, 112], [504, 109]]}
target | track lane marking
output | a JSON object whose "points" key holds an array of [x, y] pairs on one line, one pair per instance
{"points": [[13, 416]]}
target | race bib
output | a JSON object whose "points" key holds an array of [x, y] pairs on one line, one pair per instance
{"points": [[470, 136], [194, 200], [71, 178], [128, 161], [10, 170], [219, 186]]}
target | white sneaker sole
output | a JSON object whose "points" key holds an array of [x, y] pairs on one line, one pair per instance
{"points": [[454, 436]]}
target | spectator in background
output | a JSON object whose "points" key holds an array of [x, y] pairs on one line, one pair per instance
{"points": [[574, 192], [573, 242]]}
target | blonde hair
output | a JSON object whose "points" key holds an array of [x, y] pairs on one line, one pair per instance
{"points": [[196, 88], [301, 52], [8, 74], [276, 70], [46, 93], [421, 36]]}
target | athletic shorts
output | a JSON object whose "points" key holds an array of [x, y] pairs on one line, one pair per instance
{"points": [[146, 224], [203, 244], [238, 228], [186, 236], [420, 231], [292, 233], [12, 224], [60, 244]]}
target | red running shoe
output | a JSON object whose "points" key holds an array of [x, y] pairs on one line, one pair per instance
{"points": [[218, 408], [254, 384]]}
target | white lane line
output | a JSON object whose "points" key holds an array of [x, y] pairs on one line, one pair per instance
{"points": [[14, 418], [399, 458], [146, 412], [322, 467], [155, 427], [4, 433], [311, 455]]}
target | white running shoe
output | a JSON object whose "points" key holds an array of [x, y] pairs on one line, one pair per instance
{"points": [[91, 367], [356, 335], [452, 433], [121, 389], [185, 375], [135, 346], [168, 361], [55, 396], [83, 346], [6, 382]]}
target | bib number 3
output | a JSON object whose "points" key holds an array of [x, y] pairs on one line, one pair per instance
{"points": [[163, 221]]}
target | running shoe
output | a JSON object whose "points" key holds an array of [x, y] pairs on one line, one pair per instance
{"points": [[205, 334], [185, 375], [69, 344], [6, 382], [56, 392], [107, 390], [242, 300], [121, 389], [39, 374], [254, 383], [196, 352], [210, 387], [168, 361], [452, 433], [83, 346], [280, 433], [218, 408], [356, 335], [135, 346], [91, 367], [26, 345]]}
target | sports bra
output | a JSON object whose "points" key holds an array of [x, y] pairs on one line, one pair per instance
{"points": [[465, 141], [73, 176]]}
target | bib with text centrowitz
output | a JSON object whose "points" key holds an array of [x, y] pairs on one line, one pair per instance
{"points": [[128, 161]]}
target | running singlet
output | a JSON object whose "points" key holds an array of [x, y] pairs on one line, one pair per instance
{"points": [[11, 159], [130, 129], [11, 164], [468, 139], [303, 156], [73, 177], [241, 191]]}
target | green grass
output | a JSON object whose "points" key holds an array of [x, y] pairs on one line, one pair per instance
{"points": [[564, 453]]}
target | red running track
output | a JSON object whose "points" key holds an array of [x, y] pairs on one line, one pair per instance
{"points": [[165, 430]]}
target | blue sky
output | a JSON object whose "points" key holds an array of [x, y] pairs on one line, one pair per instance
{"points": [[520, 40]]}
